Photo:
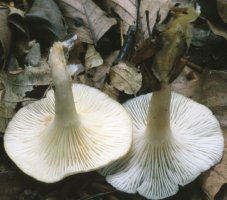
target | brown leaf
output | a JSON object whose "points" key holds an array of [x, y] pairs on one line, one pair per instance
{"points": [[5, 36], [125, 78], [208, 88], [85, 18], [111, 91], [127, 11], [145, 51], [74, 54], [98, 74]]}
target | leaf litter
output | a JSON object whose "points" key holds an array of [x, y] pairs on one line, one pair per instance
{"points": [[91, 20]]}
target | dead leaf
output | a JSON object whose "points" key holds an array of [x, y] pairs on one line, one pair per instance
{"points": [[208, 88], [92, 58], [145, 50], [222, 9], [127, 11], [16, 87], [5, 36], [20, 34], [125, 78], [98, 74], [17, 20], [45, 22], [33, 56], [111, 91], [85, 18], [13, 66], [83, 78]]}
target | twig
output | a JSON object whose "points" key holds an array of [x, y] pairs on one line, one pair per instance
{"points": [[138, 14], [121, 32], [148, 23]]}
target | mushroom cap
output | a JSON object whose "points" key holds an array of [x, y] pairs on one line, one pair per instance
{"points": [[156, 170], [49, 152]]}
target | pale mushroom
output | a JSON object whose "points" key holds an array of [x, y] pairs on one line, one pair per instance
{"points": [[191, 144], [174, 138], [74, 129]]}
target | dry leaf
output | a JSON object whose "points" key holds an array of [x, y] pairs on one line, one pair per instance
{"points": [[15, 89], [92, 58], [33, 56], [5, 36], [127, 11], [74, 54], [85, 18], [208, 88], [45, 22], [111, 91], [13, 66], [17, 21], [222, 9], [20, 34], [98, 74], [125, 78], [145, 50]]}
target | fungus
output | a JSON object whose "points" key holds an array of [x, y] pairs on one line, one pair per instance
{"points": [[174, 138], [74, 129]]}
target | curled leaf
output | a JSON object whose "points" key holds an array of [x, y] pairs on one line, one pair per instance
{"points": [[16, 20], [45, 21]]}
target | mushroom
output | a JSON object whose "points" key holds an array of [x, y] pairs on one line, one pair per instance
{"points": [[174, 137], [75, 129]]}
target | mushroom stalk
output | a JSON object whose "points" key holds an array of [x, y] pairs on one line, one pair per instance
{"points": [[158, 123], [65, 111]]}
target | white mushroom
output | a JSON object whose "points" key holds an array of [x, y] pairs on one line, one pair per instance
{"points": [[191, 144], [74, 129], [174, 138]]}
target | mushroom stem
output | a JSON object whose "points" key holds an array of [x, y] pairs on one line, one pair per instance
{"points": [[158, 123], [174, 46], [65, 111]]}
